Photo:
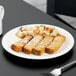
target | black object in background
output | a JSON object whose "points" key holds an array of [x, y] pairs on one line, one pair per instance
{"points": [[50, 7], [66, 7]]}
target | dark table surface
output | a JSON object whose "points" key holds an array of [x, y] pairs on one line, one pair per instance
{"points": [[19, 13]]}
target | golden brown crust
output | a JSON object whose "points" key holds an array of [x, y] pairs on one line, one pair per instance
{"points": [[28, 47], [19, 45], [55, 45], [40, 48], [20, 34]]}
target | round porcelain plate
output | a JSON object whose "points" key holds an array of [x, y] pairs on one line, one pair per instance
{"points": [[10, 38]]}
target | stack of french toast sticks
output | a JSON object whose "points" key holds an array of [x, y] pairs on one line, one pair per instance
{"points": [[38, 40]]}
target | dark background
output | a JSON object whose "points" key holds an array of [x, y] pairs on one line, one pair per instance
{"points": [[65, 7]]}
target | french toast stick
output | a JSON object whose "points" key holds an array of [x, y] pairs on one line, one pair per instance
{"points": [[28, 47], [55, 45], [40, 48], [19, 45]]}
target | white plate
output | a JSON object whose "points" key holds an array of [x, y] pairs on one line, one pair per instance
{"points": [[10, 38]]}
